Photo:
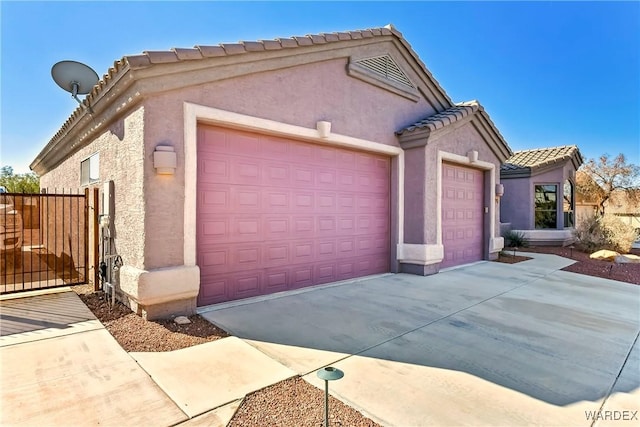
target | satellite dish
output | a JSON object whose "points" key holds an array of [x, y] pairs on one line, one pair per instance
{"points": [[74, 77]]}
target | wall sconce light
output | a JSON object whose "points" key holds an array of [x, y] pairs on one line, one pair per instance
{"points": [[473, 156], [164, 160], [499, 190], [324, 128]]}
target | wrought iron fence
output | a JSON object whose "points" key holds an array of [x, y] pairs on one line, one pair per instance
{"points": [[43, 240]]}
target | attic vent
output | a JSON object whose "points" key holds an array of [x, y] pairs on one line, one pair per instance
{"points": [[387, 68], [382, 71]]}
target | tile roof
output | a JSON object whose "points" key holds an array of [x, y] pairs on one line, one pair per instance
{"points": [[444, 118], [540, 157], [459, 111], [198, 52]]}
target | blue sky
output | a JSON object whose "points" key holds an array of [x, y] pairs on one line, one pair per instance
{"points": [[548, 73]]}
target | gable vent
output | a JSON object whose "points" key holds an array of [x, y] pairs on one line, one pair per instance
{"points": [[386, 67]]}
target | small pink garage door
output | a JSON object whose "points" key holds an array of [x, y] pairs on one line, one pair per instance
{"points": [[276, 214], [462, 214]]}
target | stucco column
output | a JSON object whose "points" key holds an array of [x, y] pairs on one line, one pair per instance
{"points": [[415, 254]]}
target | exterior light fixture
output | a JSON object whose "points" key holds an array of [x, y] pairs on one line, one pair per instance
{"points": [[324, 129], [499, 190], [327, 374], [164, 160]]}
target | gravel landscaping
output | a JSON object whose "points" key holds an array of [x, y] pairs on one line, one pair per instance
{"points": [[629, 273], [294, 402]]}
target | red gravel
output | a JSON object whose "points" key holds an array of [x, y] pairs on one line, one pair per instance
{"points": [[294, 402], [629, 273], [133, 333]]}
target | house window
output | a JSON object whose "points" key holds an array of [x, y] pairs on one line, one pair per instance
{"points": [[90, 170], [568, 207], [546, 211]]}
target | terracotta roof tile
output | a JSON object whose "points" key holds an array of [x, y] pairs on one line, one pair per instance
{"points": [[303, 40], [317, 38], [211, 51], [343, 36], [271, 44], [136, 61], [355, 35], [288, 42], [330, 37], [367, 34], [252, 46], [187, 54], [539, 157], [233, 48], [161, 57], [444, 118]]}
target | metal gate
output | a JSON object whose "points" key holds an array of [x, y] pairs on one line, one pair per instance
{"points": [[44, 240]]}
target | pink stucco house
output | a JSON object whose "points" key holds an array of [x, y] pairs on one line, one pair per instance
{"points": [[258, 167]]}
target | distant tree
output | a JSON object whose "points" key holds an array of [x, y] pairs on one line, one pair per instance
{"points": [[601, 178], [19, 183]]}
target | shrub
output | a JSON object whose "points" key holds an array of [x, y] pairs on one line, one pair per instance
{"points": [[605, 232], [515, 239]]}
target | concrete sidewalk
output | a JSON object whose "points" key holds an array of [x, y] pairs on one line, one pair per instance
{"points": [[59, 366]]}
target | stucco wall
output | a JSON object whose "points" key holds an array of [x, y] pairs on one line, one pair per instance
{"points": [[300, 96], [516, 206], [121, 159]]}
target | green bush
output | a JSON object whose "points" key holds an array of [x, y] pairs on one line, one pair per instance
{"points": [[605, 232], [515, 239]]}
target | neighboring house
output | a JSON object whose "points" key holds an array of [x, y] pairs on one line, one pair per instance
{"points": [[256, 167], [539, 194]]}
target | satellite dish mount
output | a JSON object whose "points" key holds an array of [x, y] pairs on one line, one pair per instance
{"points": [[76, 78]]}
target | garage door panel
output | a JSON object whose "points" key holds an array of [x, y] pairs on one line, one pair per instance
{"points": [[276, 200], [276, 214], [276, 174], [325, 272], [276, 279], [326, 249], [304, 226], [213, 168], [246, 172], [303, 201], [217, 288], [325, 202], [277, 227], [346, 247], [245, 285], [301, 276], [276, 253], [213, 229]]}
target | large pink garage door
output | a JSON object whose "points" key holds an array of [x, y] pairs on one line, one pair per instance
{"points": [[462, 214], [277, 214]]}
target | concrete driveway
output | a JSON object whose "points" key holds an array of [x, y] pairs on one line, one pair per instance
{"points": [[485, 344]]}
